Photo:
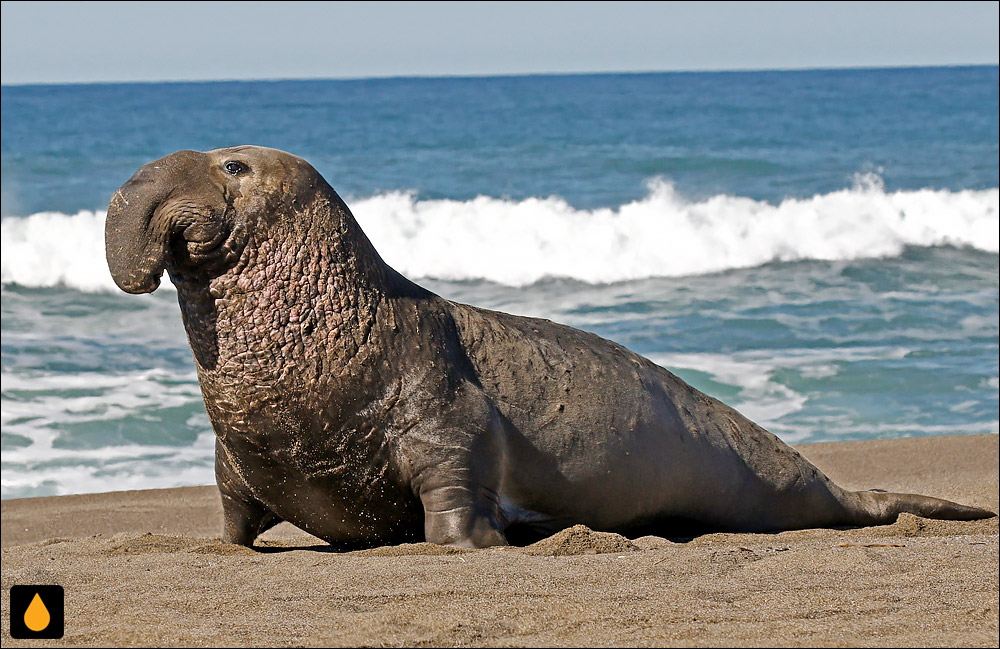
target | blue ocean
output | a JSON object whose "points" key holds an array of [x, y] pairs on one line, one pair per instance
{"points": [[818, 249]]}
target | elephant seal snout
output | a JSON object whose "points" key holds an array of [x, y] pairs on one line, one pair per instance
{"points": [[367, 410]]}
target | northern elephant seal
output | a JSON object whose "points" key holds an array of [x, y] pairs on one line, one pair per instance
{"points": [[367, 410]]}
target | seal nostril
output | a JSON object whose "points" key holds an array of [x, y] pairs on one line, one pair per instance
{"points": [[177, 245]]}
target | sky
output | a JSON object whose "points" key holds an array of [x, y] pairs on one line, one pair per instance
{"points": [[70, 42]]}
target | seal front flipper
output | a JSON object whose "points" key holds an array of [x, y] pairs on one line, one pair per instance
{"points": [[461, 515], [243, 521], [459, 486], [244, 518]]}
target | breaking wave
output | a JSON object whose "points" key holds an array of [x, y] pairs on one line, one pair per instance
{"points": [[520, 242]]}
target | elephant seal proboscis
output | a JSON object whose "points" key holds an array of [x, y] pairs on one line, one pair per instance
{"points": [[367, 410]]}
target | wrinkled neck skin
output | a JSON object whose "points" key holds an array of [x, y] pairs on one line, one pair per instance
{"points": [[294, 311]]}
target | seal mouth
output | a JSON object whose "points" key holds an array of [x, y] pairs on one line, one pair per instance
{"points": [[196, 249], [195, 245], [203, 249]]}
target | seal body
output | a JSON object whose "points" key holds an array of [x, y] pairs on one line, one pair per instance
{"points": [[366, 410]]}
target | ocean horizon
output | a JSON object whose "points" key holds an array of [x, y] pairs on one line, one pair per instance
{"points": [[506, 75]]}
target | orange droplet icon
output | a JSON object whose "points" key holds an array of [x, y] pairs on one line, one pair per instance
{"points": [[36, 617]]}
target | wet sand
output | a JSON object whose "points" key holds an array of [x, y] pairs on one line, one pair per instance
{"points": [[147, 568]]}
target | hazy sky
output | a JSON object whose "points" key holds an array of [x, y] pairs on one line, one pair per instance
{"points": [[146, 41]]}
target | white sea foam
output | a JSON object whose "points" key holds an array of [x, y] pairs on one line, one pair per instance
{"points": [[50, 249], [49, 406], [762, 397], [111, 468], [519, 242]]}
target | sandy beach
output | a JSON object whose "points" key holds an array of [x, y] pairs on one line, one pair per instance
{"points": [[147, 568]]}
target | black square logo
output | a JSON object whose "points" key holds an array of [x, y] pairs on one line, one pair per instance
{"points": [[36, 612]]}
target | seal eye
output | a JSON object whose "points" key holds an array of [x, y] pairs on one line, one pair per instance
{"points": [[233, 167]]}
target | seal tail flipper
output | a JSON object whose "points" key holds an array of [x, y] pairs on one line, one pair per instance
{"points": [[882, 507]]}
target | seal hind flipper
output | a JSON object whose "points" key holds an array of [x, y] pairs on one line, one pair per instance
{"points": [[884, 507]]}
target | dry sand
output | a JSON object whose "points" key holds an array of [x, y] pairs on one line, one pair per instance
{"points": [[147, 568]]}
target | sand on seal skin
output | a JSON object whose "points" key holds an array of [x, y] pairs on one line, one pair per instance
{"points": [[147, 568]]}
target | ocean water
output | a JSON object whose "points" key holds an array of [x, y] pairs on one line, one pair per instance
{"points": [[818, 249]]}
